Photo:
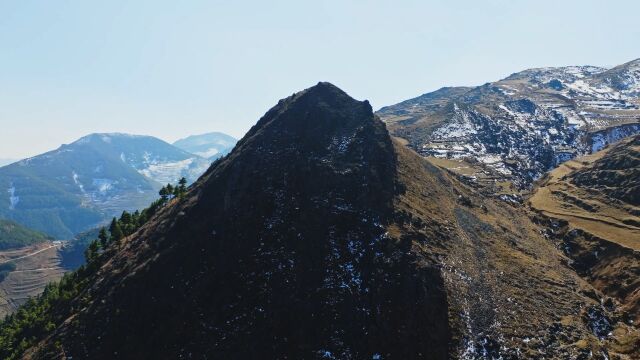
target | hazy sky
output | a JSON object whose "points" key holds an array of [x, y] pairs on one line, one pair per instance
{"points": [[172, 68]]}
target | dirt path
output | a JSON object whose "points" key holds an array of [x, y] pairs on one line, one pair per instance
{"points": [[29, 255], [31, 270]]}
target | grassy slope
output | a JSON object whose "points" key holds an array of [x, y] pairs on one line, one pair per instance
{"points": [[587, 208], [600, 231]]}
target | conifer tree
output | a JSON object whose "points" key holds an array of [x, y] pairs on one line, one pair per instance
{"points": [[135, 218], [182, 186], [103, 237], [115, 230], [125, 218], [164, 194], [92, 252]]}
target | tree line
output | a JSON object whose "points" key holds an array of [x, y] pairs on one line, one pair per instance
{"points": [[36, 318]]}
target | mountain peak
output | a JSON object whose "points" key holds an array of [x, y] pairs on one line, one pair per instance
{"points": [[322, 122], [106, 137], [316, 111], [320, 237]]}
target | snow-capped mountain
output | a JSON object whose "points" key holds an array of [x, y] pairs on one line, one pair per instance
{"points": [[148, 155], [522, 126], [79, 185], [211, 145]]}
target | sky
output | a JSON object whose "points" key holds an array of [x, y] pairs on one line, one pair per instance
{"points": [[175, 68]]}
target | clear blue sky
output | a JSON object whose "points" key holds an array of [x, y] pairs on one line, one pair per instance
{"points": [[174, 68]]}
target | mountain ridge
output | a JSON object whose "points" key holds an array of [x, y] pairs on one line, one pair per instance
{"points": [[80, 185], [210, 145], [319, 236], [518, 128]]}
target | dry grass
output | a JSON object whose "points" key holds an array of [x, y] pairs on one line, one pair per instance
{"points": [[586, 209], [501, 274]]}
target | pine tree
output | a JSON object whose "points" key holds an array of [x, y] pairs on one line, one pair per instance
{"points": [[164, 194], [92, 252], [125, 218], [135, 218], [103, 237], [115, 230], [169, 189], [182, 186]]}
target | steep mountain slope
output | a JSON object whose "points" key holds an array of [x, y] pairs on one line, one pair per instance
{"points": [[520, 127], [211, 145], [594, 204], [319, 237], [79, 185], [14, 235]]}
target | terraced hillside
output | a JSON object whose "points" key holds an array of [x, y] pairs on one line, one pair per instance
{"points": [[34, 267], [593, 206], [518, 128]]}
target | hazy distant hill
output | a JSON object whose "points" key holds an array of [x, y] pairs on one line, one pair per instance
{"points": [[4, 162], [211, 145], [14, 235], [77, 186]]}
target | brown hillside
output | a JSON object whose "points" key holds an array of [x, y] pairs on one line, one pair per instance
{"points": [[319, 237]]}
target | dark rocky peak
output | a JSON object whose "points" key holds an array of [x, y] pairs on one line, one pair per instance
{"points": [[318, 133], [276, 252], [313, 115]]}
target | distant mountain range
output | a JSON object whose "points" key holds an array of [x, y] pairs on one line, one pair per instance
{"points": [[211, 146], [518, 128], [79, 185]]}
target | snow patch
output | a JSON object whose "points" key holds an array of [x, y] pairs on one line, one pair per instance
{"points": [[209, 153], [13, 198], [103, 185], [75, 180]]}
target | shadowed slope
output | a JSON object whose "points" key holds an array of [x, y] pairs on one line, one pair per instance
{"points": [[318, 237]]}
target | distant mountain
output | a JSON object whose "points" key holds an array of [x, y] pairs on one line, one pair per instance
{"points": [[211, 146], [79, 185], [321, 237], [518, 128], [14, 235], [4, 162]]}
